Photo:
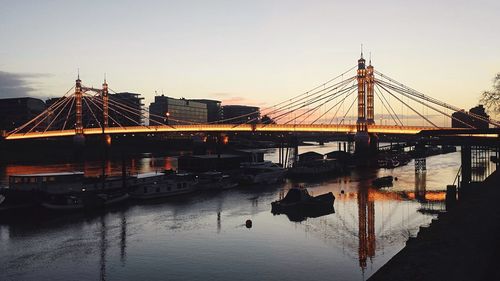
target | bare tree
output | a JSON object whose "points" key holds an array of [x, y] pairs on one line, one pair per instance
{"points": [[492, 98]]}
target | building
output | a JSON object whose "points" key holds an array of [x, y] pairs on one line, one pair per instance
{"points": [[238, 114], [15, 112], [214, 109], [129, 112], [460, 117], [167, 110]]}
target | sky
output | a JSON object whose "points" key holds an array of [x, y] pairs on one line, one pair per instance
{"points": [[246, 52]]}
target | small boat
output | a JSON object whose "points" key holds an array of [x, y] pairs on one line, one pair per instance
{"points": [[215, 180], [299, 199], [383, 181], [265, 172]]}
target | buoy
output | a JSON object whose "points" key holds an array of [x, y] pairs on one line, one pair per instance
{"points": [[248, 223]]}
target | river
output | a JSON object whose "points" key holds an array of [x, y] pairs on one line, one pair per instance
{"points": [[203, 236]]}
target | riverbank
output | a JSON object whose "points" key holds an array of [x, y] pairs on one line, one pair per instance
{"points": [[462, 244]]}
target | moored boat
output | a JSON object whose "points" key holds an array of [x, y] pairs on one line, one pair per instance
{"points": [[383, 181], [215, 180], [265, 172], [171, 184], [315, 168], [93, 193], [29, 190], [299, 199]]}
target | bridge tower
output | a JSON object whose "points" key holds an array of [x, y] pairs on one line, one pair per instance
{"points": [[370, 102], [79, 137], [105, 99], [370, 84], [361, 139]]}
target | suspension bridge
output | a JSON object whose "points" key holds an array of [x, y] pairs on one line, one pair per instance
{"points": [[327, 108]]}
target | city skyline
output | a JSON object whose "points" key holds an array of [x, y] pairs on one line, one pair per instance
{"points": [[255, 54]]}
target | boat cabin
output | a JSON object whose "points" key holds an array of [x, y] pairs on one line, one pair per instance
{"points": [[48, 182]]}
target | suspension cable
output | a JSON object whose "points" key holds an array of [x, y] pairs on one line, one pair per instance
{"points": [[408, 106], [41, 114], [66, 102], [338, 94], [420, 95], [349, 109], [92, 111], [333, 106], [381, 83], [69, 112], [377, 90]]}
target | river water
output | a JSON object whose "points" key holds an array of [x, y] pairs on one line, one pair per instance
{"points": [[203, 236]]}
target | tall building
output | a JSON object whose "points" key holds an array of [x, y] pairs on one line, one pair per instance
{"points": [[214, 109], [460, 117], [15, 112], [167, 110], [238, 114], [130, 113]]}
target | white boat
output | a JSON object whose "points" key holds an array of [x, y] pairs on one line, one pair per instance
{"points": [[265, 172], [169, 185]]}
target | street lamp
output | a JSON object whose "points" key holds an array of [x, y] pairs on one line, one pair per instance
{"points": [[167, 114]]}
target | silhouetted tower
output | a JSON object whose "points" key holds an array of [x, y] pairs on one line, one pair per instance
{"points": [[370, 84], [78, 106], [362, 139], [105, 99]]}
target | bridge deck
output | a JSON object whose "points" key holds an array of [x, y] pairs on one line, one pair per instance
{"points": [[319, 128]]}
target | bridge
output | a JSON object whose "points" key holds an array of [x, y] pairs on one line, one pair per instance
{"points": [[319, 110]]}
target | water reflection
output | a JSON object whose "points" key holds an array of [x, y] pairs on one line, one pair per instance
{"points": [[366, 223], [420, 186], [123, 238], [102, 247], [91, 168], [165, 238]]}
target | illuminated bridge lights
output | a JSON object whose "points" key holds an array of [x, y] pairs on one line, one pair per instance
{"points": [[301, 128]]}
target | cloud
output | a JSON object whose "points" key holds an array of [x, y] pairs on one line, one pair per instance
{"points": [[220, 95], [19, 84], [230, 99]]}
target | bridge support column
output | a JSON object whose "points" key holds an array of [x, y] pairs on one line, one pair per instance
{"points": [[466, 159]]}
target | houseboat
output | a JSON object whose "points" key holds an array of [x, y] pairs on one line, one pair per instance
{"points": [[215, 180], [265, 172], [169, 184], [29, 190]]}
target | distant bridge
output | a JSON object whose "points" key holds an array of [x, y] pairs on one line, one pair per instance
{"points": [[323, 109]]}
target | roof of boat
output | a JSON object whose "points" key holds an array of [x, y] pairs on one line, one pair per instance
{"points": [[50, 174], [212, 156], [149, 175]]}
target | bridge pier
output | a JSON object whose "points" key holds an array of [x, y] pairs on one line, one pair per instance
{"points": [[361, 142], [466, 161]]}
